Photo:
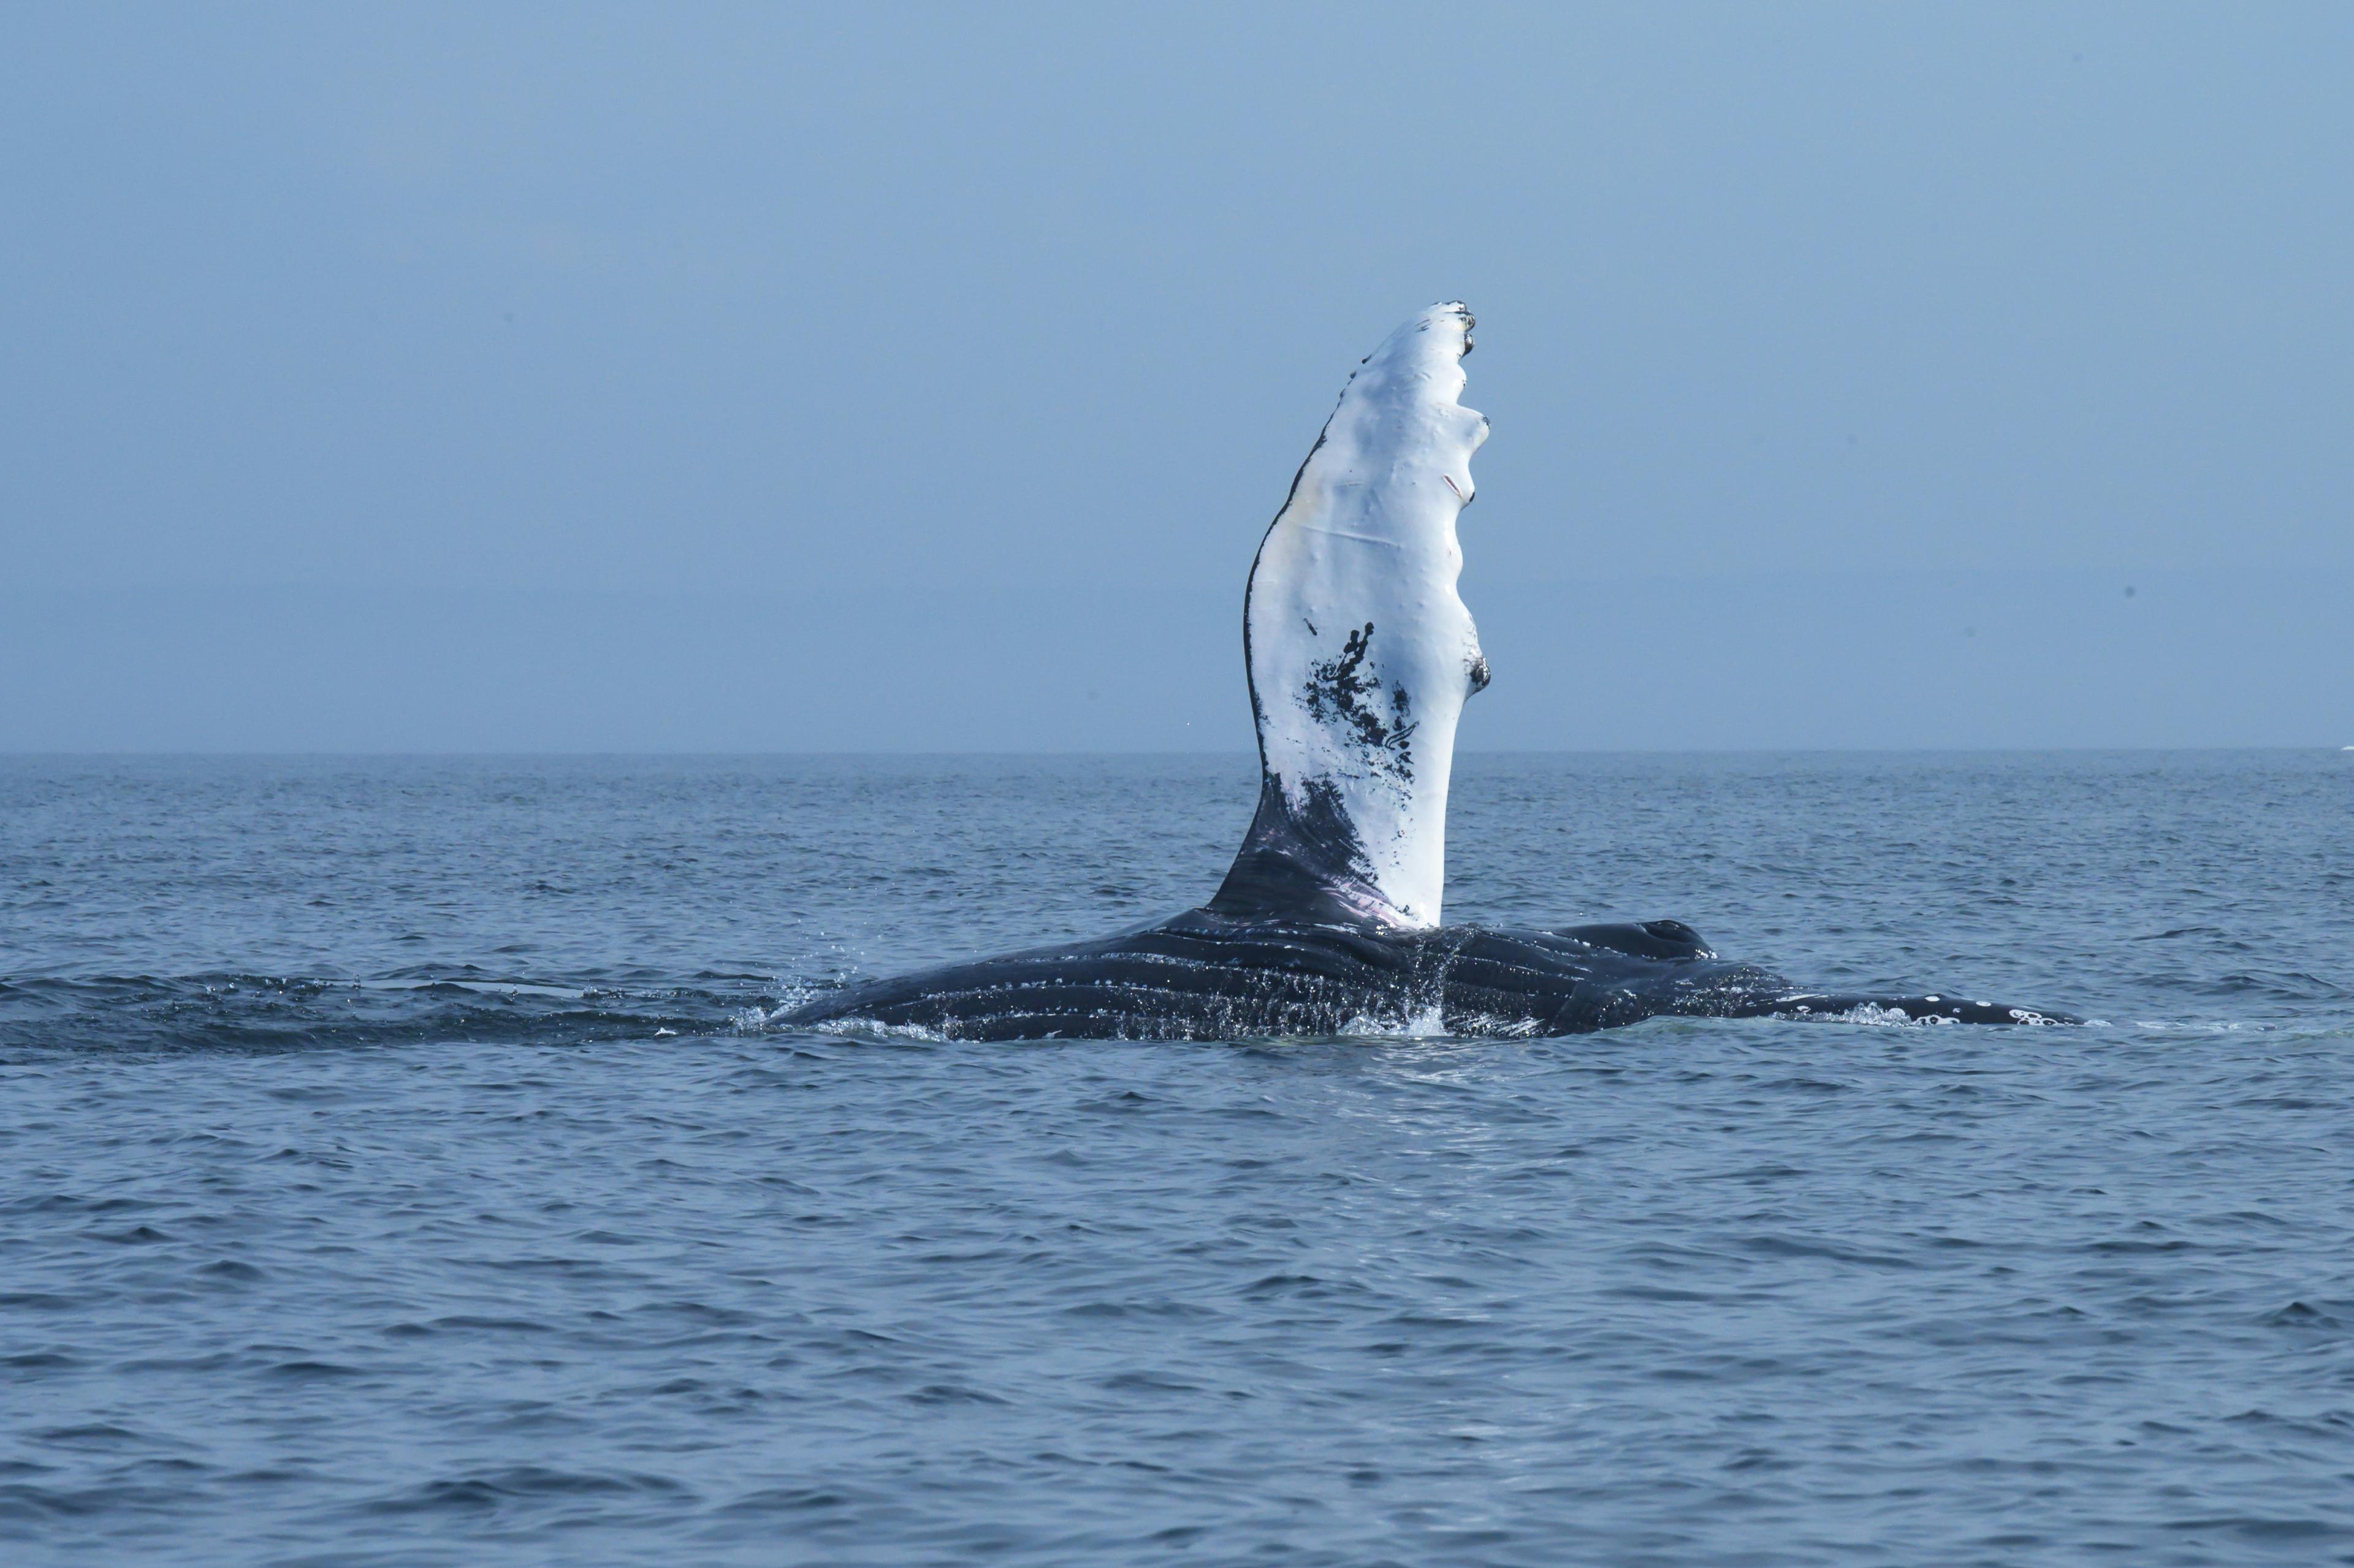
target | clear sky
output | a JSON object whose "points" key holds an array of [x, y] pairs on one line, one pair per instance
{"points": [[874, 376]]}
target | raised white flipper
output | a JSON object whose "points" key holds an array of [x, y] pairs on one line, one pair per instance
{"points": [[1361, 653]]}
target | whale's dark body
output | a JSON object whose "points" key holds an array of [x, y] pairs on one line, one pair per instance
{"points": [[1359, 657], [1204, 975]]}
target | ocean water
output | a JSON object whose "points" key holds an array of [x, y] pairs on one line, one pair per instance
{"points": [[400, 1164]]}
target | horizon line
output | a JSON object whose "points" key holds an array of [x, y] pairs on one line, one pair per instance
{"points": [[29, 754]]}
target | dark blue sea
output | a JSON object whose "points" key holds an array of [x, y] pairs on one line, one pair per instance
{"points": [[400, 1164]]}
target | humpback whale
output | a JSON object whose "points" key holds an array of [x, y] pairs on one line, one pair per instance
{"points": [[1360, 656]]}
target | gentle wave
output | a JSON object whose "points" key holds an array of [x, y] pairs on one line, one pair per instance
{"points": [[261, 1013]]}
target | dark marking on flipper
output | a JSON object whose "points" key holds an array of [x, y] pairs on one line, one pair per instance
{"points": [[1342, 693]]}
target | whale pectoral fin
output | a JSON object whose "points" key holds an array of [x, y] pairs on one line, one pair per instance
{"points": [[1360, 654], [1851, 1007], [1305, 864]]}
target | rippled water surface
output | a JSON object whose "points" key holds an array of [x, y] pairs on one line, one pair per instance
{"points": [[397, 1165]]}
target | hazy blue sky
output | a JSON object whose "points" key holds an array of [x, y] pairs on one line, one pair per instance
{"points": [[871, 377]]}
